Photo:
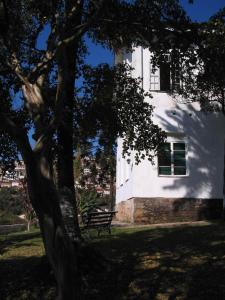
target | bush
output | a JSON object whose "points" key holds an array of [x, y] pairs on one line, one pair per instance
{"points": [[7, 218], [87, 201], [11, 200]]}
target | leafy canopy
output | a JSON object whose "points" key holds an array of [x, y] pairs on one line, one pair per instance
{"points": [[32, 87]]}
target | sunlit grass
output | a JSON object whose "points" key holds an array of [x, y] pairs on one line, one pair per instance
{"points": [[22, 244]]}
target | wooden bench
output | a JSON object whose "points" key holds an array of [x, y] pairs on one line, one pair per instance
{"points": [[99, 220]]}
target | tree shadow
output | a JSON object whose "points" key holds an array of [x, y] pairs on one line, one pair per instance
{"points": [[204, 134], [184, 262], [27, 278], [175, 263], [18, 240]]}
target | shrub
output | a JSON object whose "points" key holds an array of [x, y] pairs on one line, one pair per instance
{"points": [[7, 218], [87, 201], [11, 200]]}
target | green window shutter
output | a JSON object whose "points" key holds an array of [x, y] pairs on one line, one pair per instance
{"points": [[165, 171], [179, 158], [179, 170], [164, 160], [172, 162]]}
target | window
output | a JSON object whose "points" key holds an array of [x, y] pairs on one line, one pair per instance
{"points": [[166, 77], [172, 159], [154, 78]]}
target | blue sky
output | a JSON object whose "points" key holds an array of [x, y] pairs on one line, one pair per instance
{"points": [[201, 10]]}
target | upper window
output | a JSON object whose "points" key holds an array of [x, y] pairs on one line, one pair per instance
{"points": [[172, 159], [166, 77]]}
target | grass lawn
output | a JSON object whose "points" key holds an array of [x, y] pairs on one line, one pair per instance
{"points": [[185, 262]]}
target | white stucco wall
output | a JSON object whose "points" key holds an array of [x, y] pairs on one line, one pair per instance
{"points": [[124, 175], [203, 133]]}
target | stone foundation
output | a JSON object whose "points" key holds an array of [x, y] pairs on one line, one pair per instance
{"points": [[125, 211], [167, 210]]}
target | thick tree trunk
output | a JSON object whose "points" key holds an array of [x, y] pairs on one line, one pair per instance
{"points": [[66, 61], [66, 148], [61, 252]]}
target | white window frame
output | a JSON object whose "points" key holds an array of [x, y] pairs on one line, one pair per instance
{"points": [[154, 78], [172, 160], [156, 75]]}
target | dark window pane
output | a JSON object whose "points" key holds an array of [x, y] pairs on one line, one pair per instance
{"points": [[164, 159], [164, 77], [164, 170], [179, 158], [164, 155], [179, 170], [179, 146]]}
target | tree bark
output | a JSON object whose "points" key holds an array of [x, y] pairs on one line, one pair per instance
{"points": [[66, 61], [61, 252], [112, 191], [28, 225]]}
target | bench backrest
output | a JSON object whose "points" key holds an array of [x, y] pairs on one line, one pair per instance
{"points": [[98, 219]]}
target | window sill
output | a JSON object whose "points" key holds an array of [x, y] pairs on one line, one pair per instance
{"points": [[174, 176], [158, 91]]}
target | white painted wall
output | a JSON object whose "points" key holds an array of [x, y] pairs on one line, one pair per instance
{"points": [[124, 175], [204, 134]]}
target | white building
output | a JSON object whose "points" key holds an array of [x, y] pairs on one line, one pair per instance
{"points": [[13, 178], [186, 181]]}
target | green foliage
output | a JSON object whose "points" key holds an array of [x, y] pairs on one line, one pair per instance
{"points": [[141, 22], [8, 152], [105, 200], [115, 24], [7, 218], [87, 201], [115, 104], [202, 64], [11, 200]]}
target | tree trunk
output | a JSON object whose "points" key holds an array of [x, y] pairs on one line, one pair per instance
{"points": [[66, 61], [65, 148], [28, 225], [61, 252], [112, 192]]}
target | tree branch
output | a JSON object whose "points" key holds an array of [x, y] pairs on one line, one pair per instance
{"points": [[18, 134]]}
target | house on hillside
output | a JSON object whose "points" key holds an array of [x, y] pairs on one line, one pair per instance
{"points": [[186, 181], [13, 178]]}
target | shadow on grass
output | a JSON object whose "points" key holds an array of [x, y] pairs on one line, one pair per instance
{"points": [[185, 262], [17, 240], [26, 278], [173, 263]]}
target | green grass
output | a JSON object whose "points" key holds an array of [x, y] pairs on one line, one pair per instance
{"points": [[24, 272], [185, 262]]}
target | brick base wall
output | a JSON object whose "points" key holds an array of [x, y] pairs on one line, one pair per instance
{"points": [[166, 210]]}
